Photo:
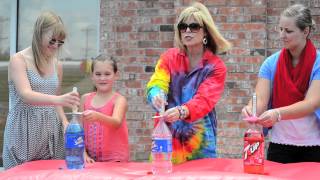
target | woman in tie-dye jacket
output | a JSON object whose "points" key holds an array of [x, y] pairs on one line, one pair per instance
{"points": [[192, 78]]}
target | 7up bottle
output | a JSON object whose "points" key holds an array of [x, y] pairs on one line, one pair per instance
{"points": [[253, 150]]}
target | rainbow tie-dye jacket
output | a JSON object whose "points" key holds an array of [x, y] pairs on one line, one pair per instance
{"points": [[199, 90]]}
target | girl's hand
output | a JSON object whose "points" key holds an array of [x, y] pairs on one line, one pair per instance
{"points": [[70, 99], [87, 158], [89, 115], [268, 118]]}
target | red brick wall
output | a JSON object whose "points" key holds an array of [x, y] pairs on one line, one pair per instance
{"points": [[137, 31]]}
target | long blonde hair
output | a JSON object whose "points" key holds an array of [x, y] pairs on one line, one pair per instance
{"points": [[45, 22], [216, 43]]}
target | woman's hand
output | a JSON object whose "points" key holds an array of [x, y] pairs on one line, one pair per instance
{"points": [[159, 101], [172, 114], [176, 113], [87, 158], [246, 112], [70, 99], [269, 118]]}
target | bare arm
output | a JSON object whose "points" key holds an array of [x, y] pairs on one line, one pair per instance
{"points": [[17, 73], [306, 107], [296, 110], [119, 112]]}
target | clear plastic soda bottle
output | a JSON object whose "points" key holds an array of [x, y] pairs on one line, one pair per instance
{"points": [[253, 150], [161, 151], [74, 144]]}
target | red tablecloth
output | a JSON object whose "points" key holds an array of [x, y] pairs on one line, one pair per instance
{"points": [[198, 169]]}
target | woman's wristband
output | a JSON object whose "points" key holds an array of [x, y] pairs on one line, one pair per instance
{"points": [[279, 115], [182, 112]]}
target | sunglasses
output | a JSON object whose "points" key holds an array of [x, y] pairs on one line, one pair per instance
{"points": [[194, 27], [58, 42]]}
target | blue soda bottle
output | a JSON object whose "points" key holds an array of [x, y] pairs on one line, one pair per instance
{"points": [[74, 144]]}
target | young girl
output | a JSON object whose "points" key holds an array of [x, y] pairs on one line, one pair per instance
{"points": [[104, 115]]}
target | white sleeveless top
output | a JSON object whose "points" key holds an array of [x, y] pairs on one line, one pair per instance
{"points": [[299, 132]]}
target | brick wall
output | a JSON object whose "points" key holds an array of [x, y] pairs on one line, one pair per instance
{"points": [[136, 32]]}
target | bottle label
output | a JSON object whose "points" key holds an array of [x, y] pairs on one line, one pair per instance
{"points": [[161, 145], [74, 140], [253, 152]]}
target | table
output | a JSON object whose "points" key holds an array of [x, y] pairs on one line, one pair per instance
{"points": [[198, 169]]}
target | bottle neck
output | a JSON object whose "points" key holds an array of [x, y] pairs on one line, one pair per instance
{"points": [[75, 119], [255, 126]]}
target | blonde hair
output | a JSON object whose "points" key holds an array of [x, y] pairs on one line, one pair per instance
{"points": [[216, 43], [45, 22]]}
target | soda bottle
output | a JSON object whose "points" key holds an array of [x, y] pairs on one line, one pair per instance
{"points": [[74, 144], [253, 150], [161, 152]]}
